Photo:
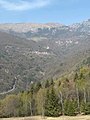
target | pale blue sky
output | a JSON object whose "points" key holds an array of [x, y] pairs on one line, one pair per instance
{"points": [[44, 11]]}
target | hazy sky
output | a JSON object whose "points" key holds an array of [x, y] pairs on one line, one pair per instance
{"points": [[44, 11]]}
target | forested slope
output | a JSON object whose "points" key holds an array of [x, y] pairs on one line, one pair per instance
{"points": [[68, 95]]}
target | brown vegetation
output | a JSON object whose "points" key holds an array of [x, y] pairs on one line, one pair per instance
{"points": [[50, 118]]}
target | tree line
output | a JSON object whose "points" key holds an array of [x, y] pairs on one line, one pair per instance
{"points": [[69, 95]]}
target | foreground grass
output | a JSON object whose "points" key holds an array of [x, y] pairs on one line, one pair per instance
{"points": [[50, 118]]}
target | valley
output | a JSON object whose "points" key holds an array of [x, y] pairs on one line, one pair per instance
{"points": [[45, 70], [37, 52], [44, 59]]}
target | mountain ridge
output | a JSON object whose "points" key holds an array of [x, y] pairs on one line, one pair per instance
{"points": [[41, 54]]}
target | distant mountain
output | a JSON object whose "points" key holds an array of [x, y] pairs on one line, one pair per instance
{"points": [[45, 31], [32, 52], [26, 27]]}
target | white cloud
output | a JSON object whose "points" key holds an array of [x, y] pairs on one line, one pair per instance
{"points": [[23, 5]]}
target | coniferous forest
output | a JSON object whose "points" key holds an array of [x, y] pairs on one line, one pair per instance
{"points": [[68, 95]]}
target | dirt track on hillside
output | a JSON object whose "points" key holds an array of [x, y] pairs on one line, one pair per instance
{"points": [[46, 118]]}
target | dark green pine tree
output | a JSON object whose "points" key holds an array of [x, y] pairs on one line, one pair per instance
{"points": [[70, 107], [75, 77], [38, 86], [52, 106], [52, 82], [47, 84]]}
